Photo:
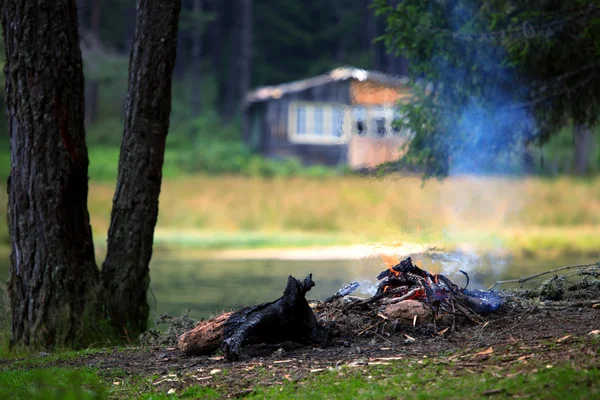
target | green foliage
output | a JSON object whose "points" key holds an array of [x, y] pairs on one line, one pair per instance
{"points": [[491, 78], [208, 145], [4, 318], [308, 32]]}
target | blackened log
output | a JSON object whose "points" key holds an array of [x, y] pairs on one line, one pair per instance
{"points": [[287, 318], [206, 337]]}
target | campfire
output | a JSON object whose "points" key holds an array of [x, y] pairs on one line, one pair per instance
{"points": [[406, 296]]}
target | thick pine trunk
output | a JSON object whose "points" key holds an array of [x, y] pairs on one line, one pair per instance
{"points": [[125, 273], [53, 272]]}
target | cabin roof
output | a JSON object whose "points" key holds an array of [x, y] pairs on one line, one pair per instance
{"points": [[265, 93]]}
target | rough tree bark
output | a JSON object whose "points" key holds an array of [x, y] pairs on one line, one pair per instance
{"points": [[125, 273], [53, 271]]}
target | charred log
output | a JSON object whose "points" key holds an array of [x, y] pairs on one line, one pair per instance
{"points": [[287, 318]]}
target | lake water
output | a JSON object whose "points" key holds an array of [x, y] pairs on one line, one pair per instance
{"points": [[206, 286]]}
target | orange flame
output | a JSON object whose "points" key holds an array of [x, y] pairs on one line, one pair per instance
{"points": [[389, 261]]}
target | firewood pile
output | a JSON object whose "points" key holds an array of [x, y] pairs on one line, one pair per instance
{"points": [[407, 296]]}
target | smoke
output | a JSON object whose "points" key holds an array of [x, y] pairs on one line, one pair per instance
{"points": [[478, 88], [481, 269], [367, 287]]}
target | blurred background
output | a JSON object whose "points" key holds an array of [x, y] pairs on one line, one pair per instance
{"points": [[282, 111]]}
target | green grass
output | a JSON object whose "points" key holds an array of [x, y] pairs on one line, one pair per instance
{"points": [[561, 370], [408, 379], [52, 383], [430, 381], [241, 240], [531, 215]]}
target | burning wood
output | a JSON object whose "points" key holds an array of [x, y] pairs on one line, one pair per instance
{"points": [[406, 294], [410, 282], [404, 284]]}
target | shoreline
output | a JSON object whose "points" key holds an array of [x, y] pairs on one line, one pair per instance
{"points": [[342, 252]]}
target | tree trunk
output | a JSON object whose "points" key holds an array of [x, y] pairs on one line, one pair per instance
{"points": [[245, 62], [92, 85], [81, 15], [125, 273], [583, 146], [232, 82], [370, 32], [196, 86], [215, 45], [53, 272]]}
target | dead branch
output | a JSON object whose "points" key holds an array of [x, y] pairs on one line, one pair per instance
{"points": [[528, 278]]}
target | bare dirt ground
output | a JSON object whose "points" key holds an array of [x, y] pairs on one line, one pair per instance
{"points": [[525, 339]]}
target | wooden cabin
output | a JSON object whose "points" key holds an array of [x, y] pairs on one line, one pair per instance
{"points": [[340, 118]]}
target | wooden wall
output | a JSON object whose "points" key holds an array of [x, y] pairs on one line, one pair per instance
{"points": [[274, 115], [368, 152], [269, 122], [372, 93]]}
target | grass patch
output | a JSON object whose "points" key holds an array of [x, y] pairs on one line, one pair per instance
{"points": [[513, 214], [431, 381], [406, 379], [532, 215], [52, 383], [565, 371], [241, 240]]}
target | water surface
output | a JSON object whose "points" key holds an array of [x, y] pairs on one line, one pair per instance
{"points": [[208, 286]]}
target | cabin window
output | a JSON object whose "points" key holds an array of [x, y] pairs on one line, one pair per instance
{"points": [[379, 127], [300, 120], [316, 123], [318, 128], [360, 116], [375, 122], [338, 121]]}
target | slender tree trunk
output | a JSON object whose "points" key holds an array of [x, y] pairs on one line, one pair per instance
{"points": [[53, 273], [245, 61], [125, 273], [128, 32], [92, 86], [341, 47], [582, 143], [196, 86], [232, 82], [215, 45], [81, 14], [370, 33]]}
